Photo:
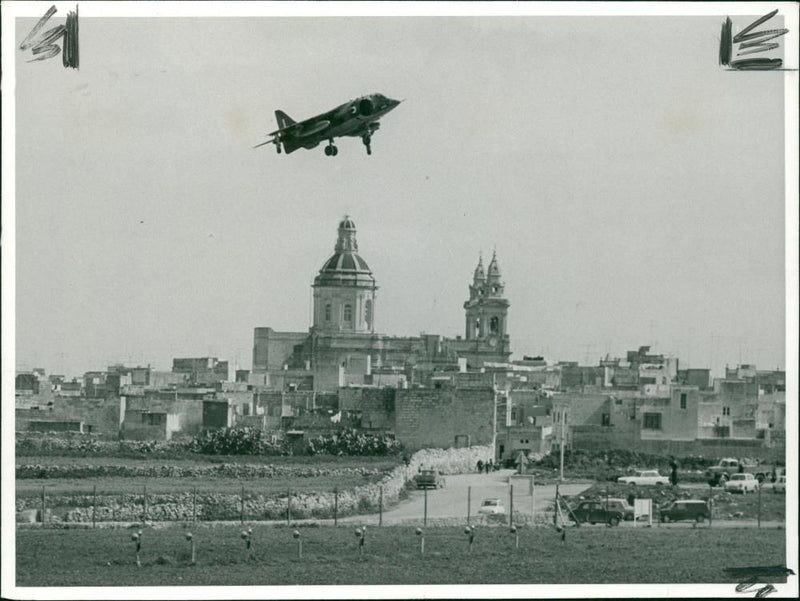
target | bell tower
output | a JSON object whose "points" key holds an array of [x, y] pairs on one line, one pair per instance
{"points": [[487, 308]]}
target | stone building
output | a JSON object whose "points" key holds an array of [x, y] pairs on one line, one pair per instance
{"points": [[343, 345]]}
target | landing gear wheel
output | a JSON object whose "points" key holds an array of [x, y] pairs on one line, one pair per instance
{"points": [[331, 150], [367, 141]]}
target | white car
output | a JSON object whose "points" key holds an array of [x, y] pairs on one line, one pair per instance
{"points": [[644, 478], [492, 507], [742, 483], [780, 485]]}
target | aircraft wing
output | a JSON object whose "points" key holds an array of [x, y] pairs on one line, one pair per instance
{"points": [[304, 128]]}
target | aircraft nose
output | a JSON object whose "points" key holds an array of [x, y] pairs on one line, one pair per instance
{"points": [[392, 102]]}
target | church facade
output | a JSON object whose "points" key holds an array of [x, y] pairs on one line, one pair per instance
{"points": [[342, 346]]}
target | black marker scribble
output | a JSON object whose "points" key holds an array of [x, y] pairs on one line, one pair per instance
{"points": [[749, 577], [45, 47], [749, 43]]}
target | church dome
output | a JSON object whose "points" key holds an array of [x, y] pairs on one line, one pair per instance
{"points": [[347, 224], [345, 267]]}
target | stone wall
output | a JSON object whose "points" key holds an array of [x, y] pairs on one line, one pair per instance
{"points": [[185, 506], [377, 406], [434, 418], [598, 438]]}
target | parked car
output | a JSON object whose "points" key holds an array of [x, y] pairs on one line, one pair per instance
{"points": [[644, 478], [685, 509], [429, 479], [729, 466], [619, 505], [742, 483], [780, 485], [595, 512], [492, 507]]}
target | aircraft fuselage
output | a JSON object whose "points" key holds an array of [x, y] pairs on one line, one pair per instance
{"points": [[357, 118]]}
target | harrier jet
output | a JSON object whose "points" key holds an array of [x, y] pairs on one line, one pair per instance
{"points": [[358, 117]]}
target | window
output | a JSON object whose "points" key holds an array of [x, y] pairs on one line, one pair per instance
{"points": [[683, 400], [328, 312], [154, 419], [494, 325], [368, 313], [652, 421], [726, 411], [606, 419], [348, 312]]}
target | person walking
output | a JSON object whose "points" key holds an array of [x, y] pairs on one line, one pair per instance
{"points": [[673, 475], [480, 466]]}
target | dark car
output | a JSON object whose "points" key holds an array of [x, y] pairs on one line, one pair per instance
{"points": [[429, 479], [685, 509], [595, 512]]}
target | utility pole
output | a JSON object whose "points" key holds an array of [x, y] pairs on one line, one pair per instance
{"points": [[563, 424]]}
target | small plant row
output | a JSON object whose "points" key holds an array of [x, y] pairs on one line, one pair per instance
{"points": [[250, 541], [223, 470], [230, 441]]}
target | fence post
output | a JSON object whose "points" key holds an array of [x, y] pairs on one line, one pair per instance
{"points": [[469, 499], [555, 508], [94, 504], [241, 510], [511, 504], [759, 506], [335, 506], [144, 511], [44, 507], [380, 508], [710, 504], [425, 514], [194, 504]]}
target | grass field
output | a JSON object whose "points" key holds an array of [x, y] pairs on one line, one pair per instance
{"points": [[106, 557]]}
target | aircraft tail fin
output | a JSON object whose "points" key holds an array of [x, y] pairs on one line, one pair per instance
{"points": [[283, 119]]}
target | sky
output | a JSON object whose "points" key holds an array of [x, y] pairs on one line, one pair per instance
{"points": [[632, 189]]}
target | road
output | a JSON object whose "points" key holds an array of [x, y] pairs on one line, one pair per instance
{"points": [[451, 501]]}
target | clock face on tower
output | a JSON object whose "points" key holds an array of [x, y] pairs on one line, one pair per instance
{"points": [[492, 341]]}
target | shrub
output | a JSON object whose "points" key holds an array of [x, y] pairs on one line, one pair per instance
{"points": [[352, 442]]}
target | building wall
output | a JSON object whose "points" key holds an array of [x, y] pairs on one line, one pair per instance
{"points": [[137, 427], [434, 418], [55, 426], [272, 350], [515, 439], [217, 414], [188, 411], [100, 416], [376, 405]]}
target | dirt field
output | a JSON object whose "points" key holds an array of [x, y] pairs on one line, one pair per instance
{"points": [[106, 557]]}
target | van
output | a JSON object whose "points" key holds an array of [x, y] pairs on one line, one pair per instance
{"points": [[685, 509]]}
